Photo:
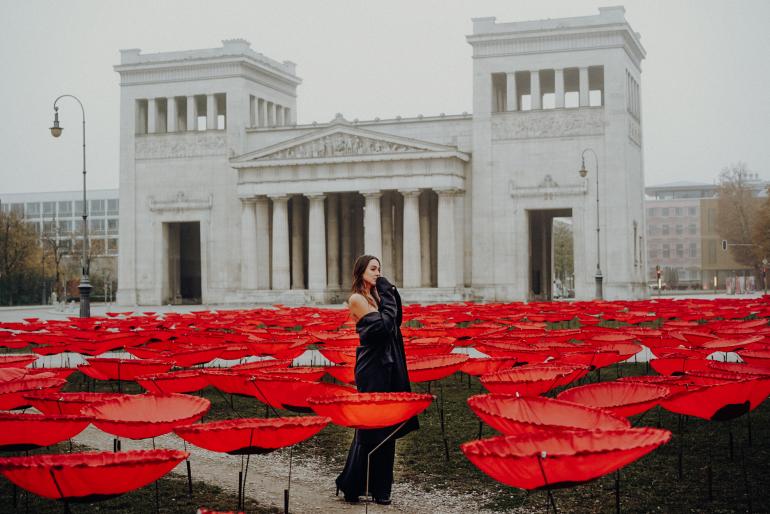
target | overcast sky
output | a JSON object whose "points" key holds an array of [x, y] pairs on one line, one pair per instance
{"points": [[705, 80]]}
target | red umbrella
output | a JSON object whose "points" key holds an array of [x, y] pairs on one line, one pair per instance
{"points": [[185, 381], [339, 354], [435, 367], [16, 360], [146, 415], [20, 431], [679, 365], [55, 402], [620, 398], [262, 365], [516, 415], [311, 373], [343, 373], [12, 393], [252, 435], [718, 399], [531, 380], [487, 365], [292, 393], [89, 476], [370, 410], [550, 459], [758, 358], [128, 369]]}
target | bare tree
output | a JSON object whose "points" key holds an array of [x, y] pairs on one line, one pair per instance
{"points": [[737, 211], [56, 249], [19, 255]]}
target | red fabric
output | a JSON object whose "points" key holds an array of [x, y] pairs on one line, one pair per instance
{"points": [[531, 380], [128, 369], [370, 410], [343, 373], [679, 365], [16, 360], [89, 476], [27, 431], [252, 435], [435, 367], [487, 365], [339, 354], [55, 402], [515, 415], [12, 392], [145, 415], [620, 398], [310, 373], [567, 457], [191, 357], [758, 358], [186, 381], [719, 401], [262, 365], [292, 393]]}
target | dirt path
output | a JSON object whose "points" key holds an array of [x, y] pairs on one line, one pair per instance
{"points": [[312, 489]]}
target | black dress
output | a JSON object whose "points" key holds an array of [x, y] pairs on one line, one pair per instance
{"points": [[380, 367]]}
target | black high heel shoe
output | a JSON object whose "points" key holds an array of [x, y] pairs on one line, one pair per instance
{"points": [[383, 500], [348, 499]]}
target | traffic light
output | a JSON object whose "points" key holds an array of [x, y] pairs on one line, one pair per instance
{"points": [[724, 244]]}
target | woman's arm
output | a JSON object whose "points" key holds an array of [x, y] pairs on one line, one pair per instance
{"points": [[388, 304], [358, 306]]}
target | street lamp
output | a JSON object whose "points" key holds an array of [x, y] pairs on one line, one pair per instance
{"points": [[85, 286], [583, 172]]}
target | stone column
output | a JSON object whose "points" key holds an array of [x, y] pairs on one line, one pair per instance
{"points": [[534, 90], [333, 241], [262, 108], [316, 251], [192, 113], [211, 112], [346, 241], [171, 115], [262, 231], [583, 87], [152, 116], [297, 246], [558, 77], [372, 224], [270, 114], [446, 253], [248, 244], [386, 213], [512, 97], [279, 115], [398, 238], [411, 234], [280, 242], [424, 203]]}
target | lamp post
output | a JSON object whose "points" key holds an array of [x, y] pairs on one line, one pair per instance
{"points": [[583, 173], [85, 286]]}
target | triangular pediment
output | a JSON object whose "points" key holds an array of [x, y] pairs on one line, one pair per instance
{"points": [[343, 142]]}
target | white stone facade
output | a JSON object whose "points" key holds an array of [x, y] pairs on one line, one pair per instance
{"points": [[458, 206]]}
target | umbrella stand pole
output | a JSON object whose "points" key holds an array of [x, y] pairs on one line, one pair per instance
{"points": [[617, 492], [189, 479], [243, 489], [369, 459], [481, 428], [540, 458], [240, 486], [441, 417], [746, 481], [287, 491]]}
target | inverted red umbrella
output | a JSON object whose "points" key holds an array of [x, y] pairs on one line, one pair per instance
{"points": [[26, 431], [758, 358], [370, 410], [56, 402], [12, 392], [483, 366], [252, 435], [146, 415], [679, 365], [90, 476], [620, 398], [551, 459], [343, 373], [185, 381], [516, 415], [17, 360], [434, 367], [128, 369], [717, 398], [339, 354], [283, 392], [310, 373], [531, 380], [262, 365]]}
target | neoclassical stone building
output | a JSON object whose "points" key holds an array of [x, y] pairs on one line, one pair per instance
{"points": [[225, 198]]}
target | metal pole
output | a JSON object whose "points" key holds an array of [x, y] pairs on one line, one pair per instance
{"points": [[598, 277]]}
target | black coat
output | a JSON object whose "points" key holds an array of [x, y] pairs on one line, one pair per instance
{"points": [[380, 358]]}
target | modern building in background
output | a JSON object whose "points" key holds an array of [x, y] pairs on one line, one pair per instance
{"points": [[57, 218], [225, 198], [682, 237]]}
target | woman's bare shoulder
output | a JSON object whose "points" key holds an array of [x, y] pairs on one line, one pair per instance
{"points": [[356, 300]]}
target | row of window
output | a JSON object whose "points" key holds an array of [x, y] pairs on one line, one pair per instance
{"points": [[63, 209], [65, 227], [681, 273], [669, 211], [96, 246], [654, 230], [665, 253]]}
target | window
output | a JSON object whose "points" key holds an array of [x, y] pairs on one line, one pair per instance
{"points": [[679, 211], [112, 246], [65, 245], [34, 225], [712, 252], [78, 207], [65, 226], [97, 247], [112, 207], [711, 217], [665, 230], [18, 209], [65, 209], [692, 211], [680, 250], [679, 230], [666, 251], [49, 209], [693, 250], [112, 226], [652, 230], [32, 210], [664, 211], [691, 229], [97, 208], [651, 211], [652, 253], [95, 226], [48, 228]]}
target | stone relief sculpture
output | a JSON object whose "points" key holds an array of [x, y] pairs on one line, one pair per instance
{"points": [[537, 124], [179, 145], [336, 145]]}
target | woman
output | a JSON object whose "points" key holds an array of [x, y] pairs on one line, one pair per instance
{"points": [[375, 306]]}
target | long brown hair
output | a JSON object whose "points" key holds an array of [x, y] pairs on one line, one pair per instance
{"points": [[359, 267]]}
